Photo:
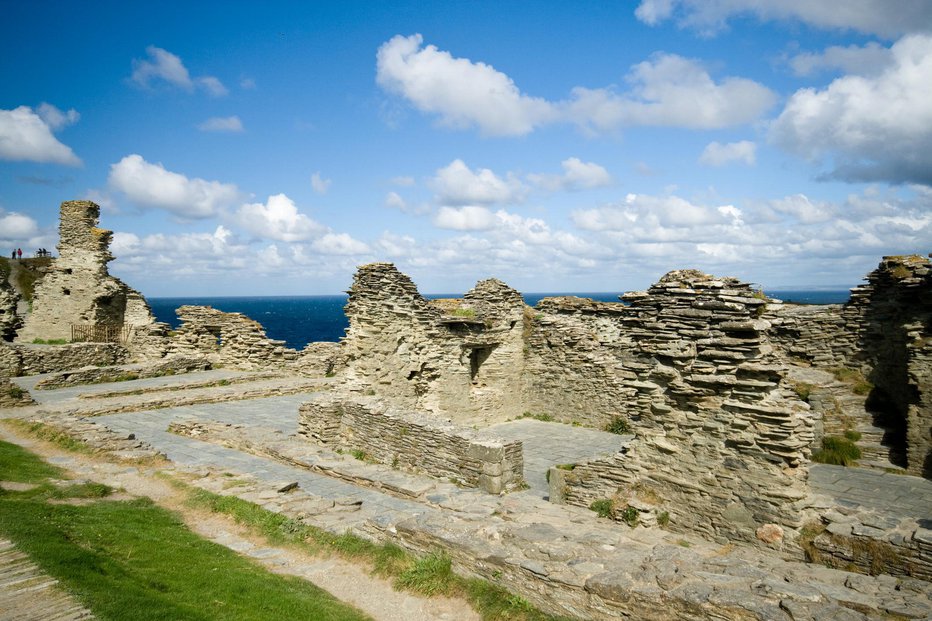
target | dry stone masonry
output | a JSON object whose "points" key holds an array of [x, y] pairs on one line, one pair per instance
{"points": [[78, 290], [416, 442]]}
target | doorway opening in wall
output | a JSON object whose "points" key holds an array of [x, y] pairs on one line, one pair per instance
{"points": [[477, 356]]}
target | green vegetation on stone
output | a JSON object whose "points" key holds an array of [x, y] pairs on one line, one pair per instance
{"points": [[545, 418], [837, 451], [49, 341], [602, 507], [803, 390], [853, 377], [618, 425], [630, 516], [49, 434]]}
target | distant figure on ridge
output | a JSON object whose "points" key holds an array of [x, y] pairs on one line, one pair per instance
{"points": [[19, 253], [13, 254]]}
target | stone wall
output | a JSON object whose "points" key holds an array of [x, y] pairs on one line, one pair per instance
{"points": [[231, 339], [463, 358], [27, 359], [78, 290], [413, 441], [721, 439], [10, 321], [98, 375]]}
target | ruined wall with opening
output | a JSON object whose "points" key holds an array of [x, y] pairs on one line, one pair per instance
{"points": [[462, 358], [78, 289]]}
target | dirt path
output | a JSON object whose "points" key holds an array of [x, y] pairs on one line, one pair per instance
{"points": [[346, 581]]}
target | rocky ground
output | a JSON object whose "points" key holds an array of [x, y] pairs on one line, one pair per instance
{"points": [[563, 559]]}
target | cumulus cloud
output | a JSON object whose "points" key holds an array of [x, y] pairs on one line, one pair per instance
{"points": [[394, 200], [163, 66], [456, 184], [868, 16], [188, 254], [877, 128], [869, 59], [468, 218], [463, 93], [339, 244], [26, 136], [17, 226], [222, 124], [718, 154], [319, 184], [55, 118], [660, 218], [277, 219], [672, 91], [577, 175], [151, 185], [667, 90]]}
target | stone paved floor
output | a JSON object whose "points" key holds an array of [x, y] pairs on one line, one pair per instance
{"points": [[29, 594], [895, 494], [550, 444]]}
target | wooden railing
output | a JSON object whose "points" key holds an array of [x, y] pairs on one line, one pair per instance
{"points": [[100, 333]]}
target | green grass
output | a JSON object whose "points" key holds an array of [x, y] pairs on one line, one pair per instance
{"points": [[49, 434], [50, 341], [803, 390], [136, 561], [546, 418], [602, 507], [468, 313], [853, 377], [837, 451], [852, 434], [431, 574], [618, 425]]}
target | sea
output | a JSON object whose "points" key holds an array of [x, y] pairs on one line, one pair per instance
{"points": [[299, 320]]}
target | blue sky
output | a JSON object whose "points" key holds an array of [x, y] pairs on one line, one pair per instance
{"points": [[246, 149]]}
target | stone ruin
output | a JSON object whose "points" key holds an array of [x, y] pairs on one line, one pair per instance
{"points": [[78, 293], [699, 369]]}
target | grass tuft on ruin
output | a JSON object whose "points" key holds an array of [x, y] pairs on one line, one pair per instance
{"points": [[838, 451]]}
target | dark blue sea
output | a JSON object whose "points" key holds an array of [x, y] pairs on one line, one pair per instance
{"points": [[299, 320]]}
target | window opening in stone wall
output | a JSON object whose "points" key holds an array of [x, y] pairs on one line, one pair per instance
{"points": [[478, 356], [66, 291]]}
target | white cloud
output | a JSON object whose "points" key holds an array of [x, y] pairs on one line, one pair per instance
{"points": [[16, 226], [319, 184], [463, 93], [468, 218], [717, 154], [671, 91], [152, 185], [879, 17], [212, 85], [186, 255], [277, 219], [55, 118], [877, 128], [393, 200], [340, 244], [104, 199], [577, 175], [456, 184], [667, 90], [164, 66], [870, 59], [25, 136], [659, 218], [222, 124], [803, 209]]}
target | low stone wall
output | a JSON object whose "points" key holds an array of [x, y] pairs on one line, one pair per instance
{"points": [[27, 359], [417, 442], [98, 375], [232, 339], [12, 396], [850, 544]]}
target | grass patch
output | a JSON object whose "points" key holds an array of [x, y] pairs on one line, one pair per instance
{"points": [[618, 425], [18, 464], [467, 313], [602, 507], [663, 518], [429, 575], [852, 435], [630, 516], [14, 391], [837, 451], [854, 378], [50, 434], [803, 390], [49, 341], [134, 560], [546, 418]]}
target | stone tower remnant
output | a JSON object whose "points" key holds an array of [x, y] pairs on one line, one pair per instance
{"points": [[78, 290]]}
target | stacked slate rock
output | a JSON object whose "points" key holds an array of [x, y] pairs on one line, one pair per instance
{"points": [[720, 439], [228, 338]]}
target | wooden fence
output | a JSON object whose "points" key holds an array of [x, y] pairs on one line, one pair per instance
{"points": [[100, 333]]}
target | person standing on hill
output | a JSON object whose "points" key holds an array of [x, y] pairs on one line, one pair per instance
{"points": [[19, 254], [13, 254]]}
